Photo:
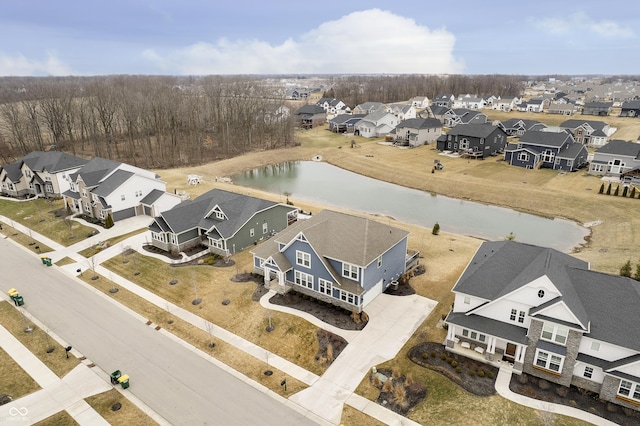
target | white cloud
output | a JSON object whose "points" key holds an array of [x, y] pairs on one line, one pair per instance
{"points": [[368, 42], [20, 65], [581, 23]]}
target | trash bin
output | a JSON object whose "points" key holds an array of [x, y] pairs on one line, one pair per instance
{"points": [[19, 300], [44, 259], [115, 376], [124, 381], [12, 292], [48, 261]]}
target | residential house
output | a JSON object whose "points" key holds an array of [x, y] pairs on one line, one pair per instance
{"points": [[630, 109], [333, 106], [615, 158], [537, 105], [506, 104], [418, 131], [309, 116], [376, 124], [597, 108], [224, 221], [469, 102], [434, 111], [105, 187], [277, 114], [453, 117], [588, 132], [445, 100], [548, 315], [345, 123], [39, 173], [557, 151], [566, 108], [369, 107], [297, 94], [402, 111], [335, 257], [517, 126], [419, 102], [474, 140]]}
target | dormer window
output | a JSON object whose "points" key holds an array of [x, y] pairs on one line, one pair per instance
{"points": [[219, 215]]}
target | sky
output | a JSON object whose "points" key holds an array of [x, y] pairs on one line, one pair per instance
{"points": [[191, 37]]}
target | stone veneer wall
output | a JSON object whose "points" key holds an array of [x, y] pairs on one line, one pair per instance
{"points": [[584, 383], [326, 298], [573, 344], [609, 392]]}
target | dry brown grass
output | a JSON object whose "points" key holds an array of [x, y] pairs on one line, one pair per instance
{"points": [[36, 341], [65, 261], [351, 416], [128, 414], [228, 354], [25, 240], [15, 381], [61, 418]]}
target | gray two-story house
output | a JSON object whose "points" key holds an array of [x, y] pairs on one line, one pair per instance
{"points": [[474, 140], [557, 151]]}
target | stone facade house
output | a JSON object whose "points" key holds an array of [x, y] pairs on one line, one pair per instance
{"points": [[547, 314]]}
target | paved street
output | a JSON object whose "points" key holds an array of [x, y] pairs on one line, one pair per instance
{"points": [[178, 384]]}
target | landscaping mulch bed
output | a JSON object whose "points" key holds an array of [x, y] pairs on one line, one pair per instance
{"points": [[399, 394], [541, 389], [473, 376], [325, 312], [329, 346], [156, 250]]}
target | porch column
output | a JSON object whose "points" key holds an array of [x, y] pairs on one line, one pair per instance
{"points": [[266, 275], [520, 356], [451, 333], [281, 280], [491, 348], [518, 353]]}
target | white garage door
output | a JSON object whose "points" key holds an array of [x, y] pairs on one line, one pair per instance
{"points": [[371, 294]]}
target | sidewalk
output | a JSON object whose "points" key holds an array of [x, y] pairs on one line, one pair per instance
{"points": [[502, 387], [56, 394]]}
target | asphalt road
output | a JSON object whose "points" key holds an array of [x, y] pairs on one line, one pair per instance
{"points": [[179, 385]]}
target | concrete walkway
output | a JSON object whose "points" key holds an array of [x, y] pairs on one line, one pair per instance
{"points": [[56, 394], [502, 387]]}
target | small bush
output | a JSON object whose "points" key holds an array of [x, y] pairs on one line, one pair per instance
{"points": [[480, 373], [445, 326], [458, 370], [624, 191], [612, 408], [436, 229], [388, 386], [376, 381], [425, 355], [573, 403], [433, 354], [210, 261], [523, 379], [443, 357], [395, 372], [472, 373], [408, 381], [562, 391], [454, 364], [543, 384], [449, 360], [490, 374]]}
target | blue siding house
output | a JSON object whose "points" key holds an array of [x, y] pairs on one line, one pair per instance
{"points": [[341, 259], [556, 151]]}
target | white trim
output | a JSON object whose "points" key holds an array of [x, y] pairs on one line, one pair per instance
{"points": [[549, 359]]}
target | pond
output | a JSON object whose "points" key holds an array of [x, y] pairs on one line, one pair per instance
{"points": [[332, 186]]}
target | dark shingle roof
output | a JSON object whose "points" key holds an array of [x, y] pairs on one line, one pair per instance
{"points": [[575, 123], [112, 183], [52, 161], [537, 137], [474, 130], [506, 331], [620, 147], [572, 151], [598, 104], [420, 123], [95, 170], [310, 109], [13, 171], [152, 197], [631, 105]]}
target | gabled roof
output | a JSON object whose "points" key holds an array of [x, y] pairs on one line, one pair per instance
{"points": [[527, 124], [152, 197], [112, 183], [572, 151], [438, 110], [344, 118], [52, 161], [370, 105], [13, 171], [620, 147], [466, 115], [95, 170], [474, 130], [420, 123], [575, 123], [537, 137], [631, 105], [237, 208], [344, 237], [444, 97], [310, 109], [598, 104], [376, 115]]}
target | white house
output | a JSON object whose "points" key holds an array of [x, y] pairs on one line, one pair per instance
{"points": [[377, 124], [548, 315]]}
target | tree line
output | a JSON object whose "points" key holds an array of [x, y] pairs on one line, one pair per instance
{"points": [[148, 121]]}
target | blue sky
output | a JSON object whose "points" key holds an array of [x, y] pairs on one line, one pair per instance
{"points": [[89, 37]]}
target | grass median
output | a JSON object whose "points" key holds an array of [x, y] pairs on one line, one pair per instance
{"points": [[127, 414]]}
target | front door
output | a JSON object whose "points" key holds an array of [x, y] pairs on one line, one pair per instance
{"points": [[510, 352]]}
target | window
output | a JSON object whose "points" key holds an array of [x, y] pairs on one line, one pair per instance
{"points": [[303, 279], [465, 332], [588, 372], [549, 361], [265, 228], [555, 333], [625, 388], [540, 294], [217, 244], [84, 192], [303, 259], [324, 286], [521, 317], [514, 313], [122, 197], [220, 215], [523, 156], [350, 271], [348, 297], [595, 346], [467, 300], [252, 232], [379, 261], [547, 156], [87, 207]]}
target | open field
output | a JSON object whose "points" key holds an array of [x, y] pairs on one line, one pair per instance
{"points": [[128, 414]]}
